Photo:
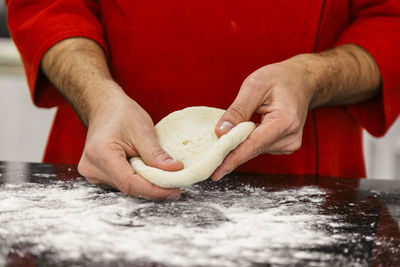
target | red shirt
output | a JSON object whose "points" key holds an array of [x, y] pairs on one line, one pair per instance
{"points": [[168, 55]]}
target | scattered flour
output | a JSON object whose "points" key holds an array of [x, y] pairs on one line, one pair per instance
{"points": [[69, 221], [44, 175]]}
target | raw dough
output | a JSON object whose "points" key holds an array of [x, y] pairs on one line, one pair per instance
{"points": [[188, 135]]}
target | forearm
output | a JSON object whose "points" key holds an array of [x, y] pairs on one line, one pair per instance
{"points": [[344, 75], [79, 70], [283, 93]]}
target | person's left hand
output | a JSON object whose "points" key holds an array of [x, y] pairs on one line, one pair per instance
{"points": [[281, 93]]}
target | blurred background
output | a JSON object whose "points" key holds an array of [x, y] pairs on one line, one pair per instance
{"points": [[24, 128]]}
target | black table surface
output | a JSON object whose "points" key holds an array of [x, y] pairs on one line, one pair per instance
{"points": [[358, 218]]}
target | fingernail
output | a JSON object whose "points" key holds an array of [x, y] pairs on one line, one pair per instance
{"points": [[168, 160], [173, 196], [226, 126]]}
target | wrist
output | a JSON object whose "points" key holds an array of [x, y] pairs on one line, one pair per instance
{"points": [[79, 70], [101, 98], [344, 75], [310, 70]]}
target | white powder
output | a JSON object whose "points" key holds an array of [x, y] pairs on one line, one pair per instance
{"points": [[44, 175], [69, 221]]}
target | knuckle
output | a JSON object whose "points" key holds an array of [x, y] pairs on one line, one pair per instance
{"points": [[125, 188], [156, 194], [112, 146], [158, 152], [295, 125], [293, 147], [93, 181], [84, 169], [297, 145], [92, 151], [102, 143], [291, 123], [253, 81], [292, 129], [238, 111], [87, 171], [258, 150]]}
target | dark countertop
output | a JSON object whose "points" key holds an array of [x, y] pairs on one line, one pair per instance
{"points": [[50, 216]]}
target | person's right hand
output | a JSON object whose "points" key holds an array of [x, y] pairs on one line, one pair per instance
{"points": [[117, 129]]}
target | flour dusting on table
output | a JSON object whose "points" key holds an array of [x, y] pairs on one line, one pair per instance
{"points": [[71, 221]]}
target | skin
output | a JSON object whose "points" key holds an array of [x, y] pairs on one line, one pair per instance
{"points": [[119, 128], [284, 92]]}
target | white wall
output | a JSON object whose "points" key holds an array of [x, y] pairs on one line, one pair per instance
{"points": [[382, 156], [24, 128]]}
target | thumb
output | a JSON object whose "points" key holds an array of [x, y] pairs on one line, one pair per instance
{"points": [[158, 158], [241, 110], [154, 155]]}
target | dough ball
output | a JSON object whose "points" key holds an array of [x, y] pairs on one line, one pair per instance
{"points": [[188, 135]]}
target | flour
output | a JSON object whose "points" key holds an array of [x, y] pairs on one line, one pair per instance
{"points": [[44, 175], [69, 221]]}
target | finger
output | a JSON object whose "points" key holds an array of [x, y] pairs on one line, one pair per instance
{"points": [[242, 108], [286, 145], [113, 169], [254, 145], [90, 171], [153, 155], [125, 179], [232, 161], [97, 177], [130, 150], [142, 188]]}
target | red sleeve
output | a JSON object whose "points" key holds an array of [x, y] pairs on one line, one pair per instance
{"points": [[375, 26], [36, 25]]}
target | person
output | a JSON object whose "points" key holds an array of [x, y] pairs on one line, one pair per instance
{"points": [[311, 73]]}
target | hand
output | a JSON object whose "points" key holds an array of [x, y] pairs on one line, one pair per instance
{"points": [[117, 126], [281, 93], [118, 129]]}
